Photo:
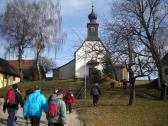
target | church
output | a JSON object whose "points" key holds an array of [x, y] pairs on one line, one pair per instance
{"points": [[90, 55]]}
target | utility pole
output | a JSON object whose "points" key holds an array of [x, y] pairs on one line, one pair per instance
{"points": [[85, 72]]}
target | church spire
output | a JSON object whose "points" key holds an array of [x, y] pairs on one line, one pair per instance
{"points": [[92, 26], [92, 16]]}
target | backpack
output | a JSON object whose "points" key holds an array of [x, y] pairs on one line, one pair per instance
{"points": [[53, 107], [95, 91], [10, 97], [68, 96]]}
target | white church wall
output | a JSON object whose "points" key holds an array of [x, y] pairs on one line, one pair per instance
{"points": [[90, 50]]}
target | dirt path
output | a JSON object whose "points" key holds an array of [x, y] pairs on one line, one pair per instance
{"points": [[72, 118]]}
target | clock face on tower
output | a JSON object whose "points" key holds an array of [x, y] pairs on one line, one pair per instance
{"points": [[92, 29]]}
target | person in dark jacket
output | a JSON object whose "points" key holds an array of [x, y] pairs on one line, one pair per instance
{"points": [[13, 108], [95, 92]]}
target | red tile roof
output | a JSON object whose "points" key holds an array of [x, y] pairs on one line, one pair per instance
{"points": [[5, 67], [26, 63]]}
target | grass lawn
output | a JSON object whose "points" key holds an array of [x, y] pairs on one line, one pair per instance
{"points": [[46, 86], [113, 110]]}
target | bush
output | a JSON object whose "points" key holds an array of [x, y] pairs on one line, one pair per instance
{"points": [[113, 83], [105, 78]]}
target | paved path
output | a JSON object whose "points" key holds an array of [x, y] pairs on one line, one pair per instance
{"points": [[72, 118]]}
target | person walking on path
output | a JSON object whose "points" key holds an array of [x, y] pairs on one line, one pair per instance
{"points": [[34, 105], [69, 100], [12, 100], [56, 115], [95, 92]]}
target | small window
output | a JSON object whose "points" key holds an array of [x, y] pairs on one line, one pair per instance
{"points": [[166, 71], [92, 29], [14, 78]]}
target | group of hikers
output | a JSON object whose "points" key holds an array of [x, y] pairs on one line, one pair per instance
{"points": [[56, 108], [35, 102]]}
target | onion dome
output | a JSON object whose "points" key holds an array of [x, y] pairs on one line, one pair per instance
{"points": [[92, 16]]}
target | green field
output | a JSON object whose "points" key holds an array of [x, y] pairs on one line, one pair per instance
{"points": [[113, 110], [46, 86]]}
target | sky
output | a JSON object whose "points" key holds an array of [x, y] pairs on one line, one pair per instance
{"points": [[74, 23]]}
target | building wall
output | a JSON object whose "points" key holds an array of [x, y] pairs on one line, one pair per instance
{"points": [[119, 72], [56, 73], [17, 80], [125, 74], [165, 73], [1, 80], [90, 50], [65, 72], [5, 82], [165, 68], [8, 81]]}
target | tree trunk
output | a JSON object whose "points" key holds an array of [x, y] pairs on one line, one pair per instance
{"points": [[20, 66], [132, 92], [38, 66], [163, 91]]}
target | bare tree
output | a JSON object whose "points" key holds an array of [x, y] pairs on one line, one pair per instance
{"points": [[35, 24], [46, 65], [17, 28], [47, 28], [126, 49], [145, 19]]}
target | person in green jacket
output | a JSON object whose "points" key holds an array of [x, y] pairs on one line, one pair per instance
{"points": [[59, 118]]}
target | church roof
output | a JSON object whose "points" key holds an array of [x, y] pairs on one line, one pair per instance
{"points": [[87, 40], [64, 65]]}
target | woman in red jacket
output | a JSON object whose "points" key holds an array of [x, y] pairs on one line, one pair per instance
{"points": [[69, 99]]}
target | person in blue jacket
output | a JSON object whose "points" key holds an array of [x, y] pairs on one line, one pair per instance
{"points": [[33, 106]]}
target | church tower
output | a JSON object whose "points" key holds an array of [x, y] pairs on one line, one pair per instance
{"points": [[88, 56], [92, 27]]}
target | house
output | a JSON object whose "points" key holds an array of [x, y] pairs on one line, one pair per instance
{"points": [[164, 62], [27, 66], [67, 71], [8, 74], [88, 57]]}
